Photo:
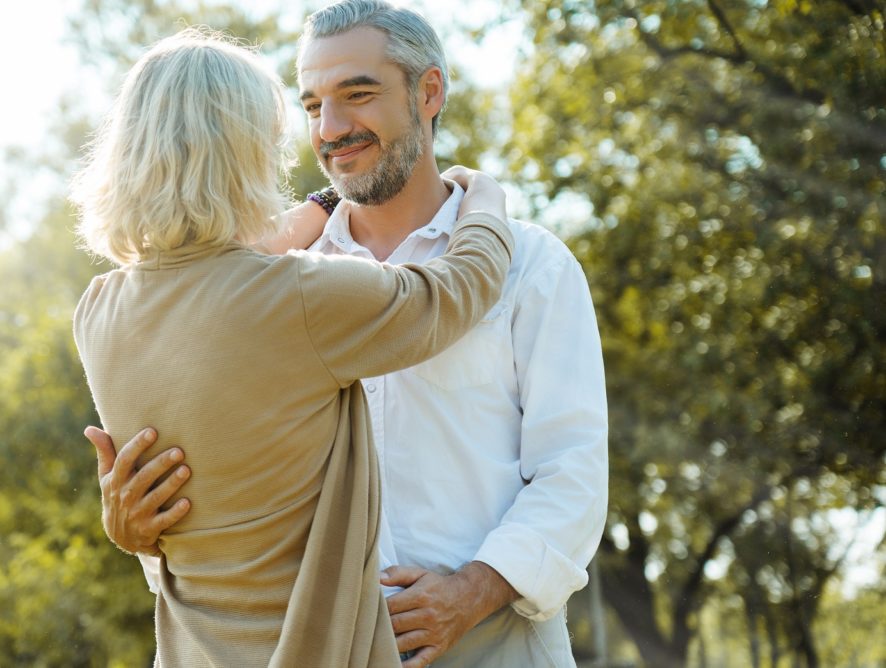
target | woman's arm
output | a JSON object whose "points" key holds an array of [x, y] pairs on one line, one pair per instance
{"points": [[367, 319], [302, 226]]}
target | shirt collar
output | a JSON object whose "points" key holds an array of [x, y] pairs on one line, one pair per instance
{"points": [[337, 231], [444, 220]]}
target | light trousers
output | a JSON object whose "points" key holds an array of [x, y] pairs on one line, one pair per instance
{"points": [[508, 640]]}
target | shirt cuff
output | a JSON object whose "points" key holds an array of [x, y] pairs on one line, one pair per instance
{"points": [[151, 567], [544, 577]]}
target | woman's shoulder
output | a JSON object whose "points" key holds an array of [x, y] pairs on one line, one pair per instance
{"points": [[99, 284], [98, 287]]}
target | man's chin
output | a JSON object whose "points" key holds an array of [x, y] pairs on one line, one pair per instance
{"points": [[364, 188], [357, 193]]}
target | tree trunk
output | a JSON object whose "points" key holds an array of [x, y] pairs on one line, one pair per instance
{"points": [[805, 642], [772, 634], [753, 635], [702, 652], [598, 616], [628, 592]]}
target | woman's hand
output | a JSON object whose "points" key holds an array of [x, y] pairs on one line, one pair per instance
{"points": [[482, 192]]}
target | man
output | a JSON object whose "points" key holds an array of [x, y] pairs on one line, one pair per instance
{"points": [[493, 454]]}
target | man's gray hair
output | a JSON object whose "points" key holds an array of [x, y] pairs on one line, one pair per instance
{"points": [[412, 42]]}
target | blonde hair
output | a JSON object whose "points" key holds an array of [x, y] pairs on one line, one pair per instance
{"points": [[191, 153]]}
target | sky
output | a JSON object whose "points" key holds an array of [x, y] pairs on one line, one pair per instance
{"points": [[35, 66]]}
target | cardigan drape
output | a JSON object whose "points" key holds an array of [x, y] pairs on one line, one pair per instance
{"points": [[249, 363]]}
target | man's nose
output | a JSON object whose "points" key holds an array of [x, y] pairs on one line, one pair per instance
{"points": [[335, 123]]}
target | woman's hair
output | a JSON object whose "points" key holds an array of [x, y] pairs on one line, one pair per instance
{"points": [[191, 153], [413, 44]]}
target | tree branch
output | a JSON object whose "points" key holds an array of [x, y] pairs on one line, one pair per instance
{"points": [[727, 26], [779, 83], [858, 6], [686, 601]]}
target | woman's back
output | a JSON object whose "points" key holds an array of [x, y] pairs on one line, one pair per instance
{"points": [[249, 363], [213, 352]]}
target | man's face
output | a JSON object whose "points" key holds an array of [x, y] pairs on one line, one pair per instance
{"points": [[365, 128]]}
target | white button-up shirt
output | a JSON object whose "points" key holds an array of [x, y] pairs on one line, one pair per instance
{"points": [[496, 449]]}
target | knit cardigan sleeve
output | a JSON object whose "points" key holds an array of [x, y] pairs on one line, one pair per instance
{"points": [[367, 319]]}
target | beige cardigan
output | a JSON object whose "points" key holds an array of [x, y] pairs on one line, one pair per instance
{"points": [[250, 363]]}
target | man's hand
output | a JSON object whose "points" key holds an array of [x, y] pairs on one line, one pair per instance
{"points": [[130, 500], [435, 611]]}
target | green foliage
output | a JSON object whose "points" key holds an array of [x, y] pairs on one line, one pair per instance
{"points": [[62, 584], [733, 156]]}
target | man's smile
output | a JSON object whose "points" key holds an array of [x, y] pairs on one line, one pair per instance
{"points": [[346, 153]]}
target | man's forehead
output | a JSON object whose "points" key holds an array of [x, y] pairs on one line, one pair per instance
{"points": [[361, 48]]}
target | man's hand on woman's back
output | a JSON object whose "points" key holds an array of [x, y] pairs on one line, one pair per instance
{"points": [[131, 497]]}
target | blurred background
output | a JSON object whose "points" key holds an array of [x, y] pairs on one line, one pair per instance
{"points": [[719, 169]]}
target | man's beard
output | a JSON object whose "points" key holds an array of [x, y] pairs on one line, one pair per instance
{"points": [[390, 173]]}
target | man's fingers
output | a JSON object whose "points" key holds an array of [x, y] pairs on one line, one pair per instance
{"points": [[153, 470], [164, 491], [422, 658], [408, 599], [410, 620], [401, 576], [104, 448], [169, 517], [413, 640], [124, 467]]}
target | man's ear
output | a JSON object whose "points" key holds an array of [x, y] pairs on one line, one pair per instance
{"points": [[431, 93]]}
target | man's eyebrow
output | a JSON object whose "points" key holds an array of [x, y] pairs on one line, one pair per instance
{"points": [[359, 80]]}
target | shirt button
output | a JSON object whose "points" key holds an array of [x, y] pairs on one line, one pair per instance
{"points": [[432, 229], [370, 388], [341, 240]]}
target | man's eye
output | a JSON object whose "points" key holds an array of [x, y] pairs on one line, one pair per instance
{"points": [[358, 95], [312, 108]]}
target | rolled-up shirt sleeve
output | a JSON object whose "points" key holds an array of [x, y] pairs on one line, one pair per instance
{"points": [[546, 539]]}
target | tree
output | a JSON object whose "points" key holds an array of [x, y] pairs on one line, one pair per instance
{"points": [[732, 158]]}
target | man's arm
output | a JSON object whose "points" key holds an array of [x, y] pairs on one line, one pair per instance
{"points": [[539, 552], [548, 536], [131, 496]]}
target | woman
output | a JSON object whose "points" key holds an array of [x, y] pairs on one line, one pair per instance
{"points": [[251, 361]]}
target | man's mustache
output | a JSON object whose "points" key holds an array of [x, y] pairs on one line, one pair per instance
{"points": [[359, 138]]}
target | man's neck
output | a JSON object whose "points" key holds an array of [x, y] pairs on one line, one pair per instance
{"points": [[380, 229]]}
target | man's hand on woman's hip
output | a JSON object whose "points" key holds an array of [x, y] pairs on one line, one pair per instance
{"points": [[434, 611]]}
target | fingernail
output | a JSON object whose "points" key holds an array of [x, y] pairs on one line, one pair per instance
{"points": [[149, 434], [182, 472], [176, 455]]}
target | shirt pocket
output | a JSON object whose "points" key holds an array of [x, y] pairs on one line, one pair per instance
{"points": [[472, 360]]}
